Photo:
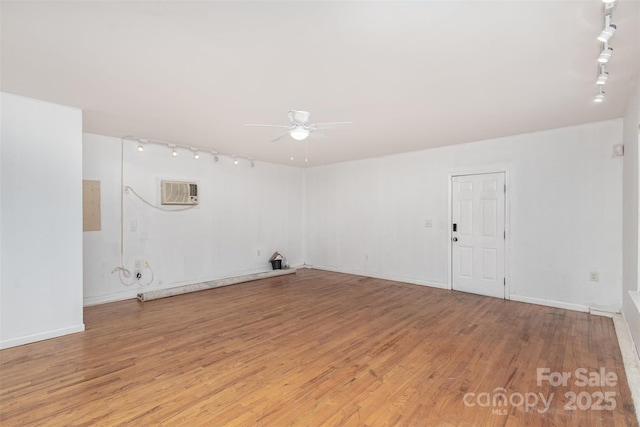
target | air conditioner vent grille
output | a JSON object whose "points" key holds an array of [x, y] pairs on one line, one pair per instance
{"points": [[179, 193]]}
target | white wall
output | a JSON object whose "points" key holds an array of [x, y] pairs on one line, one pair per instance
{"points": [[41, 221], [367, 217], [242, 210], [631, 308]]}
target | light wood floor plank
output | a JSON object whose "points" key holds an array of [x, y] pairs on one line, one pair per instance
{"points": [[310, 349]]}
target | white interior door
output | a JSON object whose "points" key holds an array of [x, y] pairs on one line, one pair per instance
{"points": [[478, 234]]}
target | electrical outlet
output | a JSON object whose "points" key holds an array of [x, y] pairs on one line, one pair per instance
{"points": [[428, 223], [594, 276], [258, 252]]}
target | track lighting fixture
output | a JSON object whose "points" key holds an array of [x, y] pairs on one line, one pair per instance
{"points": [[599, 96], [603, 76], [605, 55], [142, 144], [606, 34], [609, 29], [606, 52]]}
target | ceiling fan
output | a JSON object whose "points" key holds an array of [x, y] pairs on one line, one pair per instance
{"points": [[299, 127]]}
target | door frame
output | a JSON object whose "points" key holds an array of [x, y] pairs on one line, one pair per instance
{"points": [[499, 168]]}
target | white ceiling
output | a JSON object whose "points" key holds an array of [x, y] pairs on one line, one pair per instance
{"points": [[409, 75]]}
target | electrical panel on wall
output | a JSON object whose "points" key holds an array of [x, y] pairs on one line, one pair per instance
{"points": [[178, 193]]}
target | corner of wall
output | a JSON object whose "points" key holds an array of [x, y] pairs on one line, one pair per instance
{"points": [[631, 214]]}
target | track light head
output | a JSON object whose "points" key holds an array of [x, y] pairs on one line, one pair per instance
{"points": [[174, 150], [140, 147], [607, 33], [599, 96], [605, 55], [196, 155], [602, 78]]}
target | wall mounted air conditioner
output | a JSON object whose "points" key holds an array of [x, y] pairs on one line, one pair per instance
{"points": [[178, 193]]}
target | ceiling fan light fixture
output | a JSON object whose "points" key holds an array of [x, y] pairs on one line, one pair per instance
{"points": [[299, 133]]}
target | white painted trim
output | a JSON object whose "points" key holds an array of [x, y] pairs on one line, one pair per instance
{"points": [[550, 303], [401, 279], [495, 168], [630, 358], [597, 312], [28, 339], [202, 286], [132, 292], [635, 297], [103, 299]]}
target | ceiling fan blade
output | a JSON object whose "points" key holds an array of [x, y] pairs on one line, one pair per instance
{"points": [[279, 137], [268, 126], [332, 125], [318, 135]]}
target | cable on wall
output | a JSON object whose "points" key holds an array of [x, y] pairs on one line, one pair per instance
{"points": [[160, 208], [123, 272]]}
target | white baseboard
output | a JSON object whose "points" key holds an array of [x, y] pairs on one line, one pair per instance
{"points": [[518, 298], [103, 299], [630, 359], [383, 277], [179, 290], [550, 303], [132, 292], [27, 339], [596, 312]]}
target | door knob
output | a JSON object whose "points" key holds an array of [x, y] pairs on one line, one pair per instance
{"points": [[455, 239]]}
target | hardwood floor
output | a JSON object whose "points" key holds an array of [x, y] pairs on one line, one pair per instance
{"points": [[319, 348]]}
